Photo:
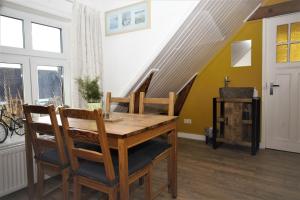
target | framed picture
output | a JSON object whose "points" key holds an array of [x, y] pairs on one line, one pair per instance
{"points": [[129, 18]]}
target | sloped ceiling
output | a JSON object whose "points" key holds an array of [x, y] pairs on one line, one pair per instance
{"points": [[200, 37]]}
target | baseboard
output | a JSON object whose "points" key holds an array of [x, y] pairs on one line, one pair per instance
{"points": [[191, 136]]}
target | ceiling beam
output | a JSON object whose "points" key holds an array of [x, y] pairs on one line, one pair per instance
{"points": [[275, 10]]}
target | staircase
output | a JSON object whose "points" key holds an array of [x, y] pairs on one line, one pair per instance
{"points": [[195, 43]]}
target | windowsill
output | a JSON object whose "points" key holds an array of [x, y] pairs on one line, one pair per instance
{"points": [[13, 141]]}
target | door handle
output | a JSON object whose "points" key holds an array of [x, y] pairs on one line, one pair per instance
{"points": [[272, 85]]}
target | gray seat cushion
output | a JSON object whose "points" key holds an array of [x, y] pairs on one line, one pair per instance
{"points": [[52, 157], [138, 157]]}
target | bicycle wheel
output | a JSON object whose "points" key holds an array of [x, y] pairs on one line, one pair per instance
{"points": [[3, 133], [19, 127]]}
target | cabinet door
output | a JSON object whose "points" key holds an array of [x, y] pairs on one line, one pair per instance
{"points": [[233, 122]]}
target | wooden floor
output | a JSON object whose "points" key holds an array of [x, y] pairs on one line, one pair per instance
{"points": [[224, 174]]}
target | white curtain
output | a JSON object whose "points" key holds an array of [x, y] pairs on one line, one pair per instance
{"points": [[86, 48]]}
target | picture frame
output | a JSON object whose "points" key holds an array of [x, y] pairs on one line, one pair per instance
{"points": [[126, 19]]}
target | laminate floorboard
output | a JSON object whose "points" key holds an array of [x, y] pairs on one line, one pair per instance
{"points": [[228, 173]]}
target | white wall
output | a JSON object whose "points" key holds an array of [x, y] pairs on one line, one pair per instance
{"points": [[127, 56]]}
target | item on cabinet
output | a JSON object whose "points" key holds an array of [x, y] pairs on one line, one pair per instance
{"points": [[236, 92], [208, 132], [255, 93]]}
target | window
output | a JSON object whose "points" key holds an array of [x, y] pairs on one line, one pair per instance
{"points": [[11, 83], [36, 70], [46, 38], [288, 43], [50, 83], [11, 32]]}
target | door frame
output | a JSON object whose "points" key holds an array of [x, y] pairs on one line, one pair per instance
{"points": [[266, 79]]}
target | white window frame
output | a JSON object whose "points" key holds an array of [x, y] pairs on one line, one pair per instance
{"points": [[23, 60], [48, 62], [31, 58]]}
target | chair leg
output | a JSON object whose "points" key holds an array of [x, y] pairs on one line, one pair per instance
{"points": [[40, 180], [141, 181], [77, 189], [148, 184], [169, 170], [65, 184], [112, 195]]}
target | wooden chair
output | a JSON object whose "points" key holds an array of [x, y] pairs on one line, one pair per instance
{"points": [[128, 100], [98, 169], [48, 146], [160, 143], [170, 102]]}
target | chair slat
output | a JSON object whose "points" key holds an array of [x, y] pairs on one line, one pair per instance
{"points": [[129, 100], [158, 101], [84, 135], [79, 114], [164, 101], [88, 155], [42, 128], [120, 100], [39, 109], [46, 143]]}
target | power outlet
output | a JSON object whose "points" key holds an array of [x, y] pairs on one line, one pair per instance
{"points": [[187, 121]]}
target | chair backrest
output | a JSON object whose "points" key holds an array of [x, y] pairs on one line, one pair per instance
{"points": [[43, 141], [98, 137], [158, 101], [129, 100]]}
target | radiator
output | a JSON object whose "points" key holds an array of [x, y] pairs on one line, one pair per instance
{"points": [[13, 174]]}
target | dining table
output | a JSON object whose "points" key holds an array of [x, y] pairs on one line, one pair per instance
{"points": [[124, 131]]}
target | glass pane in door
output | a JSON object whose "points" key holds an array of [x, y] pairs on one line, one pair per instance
{"points": [[295, 52], [295, 32], [50, 83], [11, 88], [282, 53], [282, 33]]}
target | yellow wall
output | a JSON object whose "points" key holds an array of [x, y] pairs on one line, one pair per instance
{"points": [[198, 105]]}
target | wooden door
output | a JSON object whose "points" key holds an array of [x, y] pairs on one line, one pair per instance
{"points": [[282, 82]]}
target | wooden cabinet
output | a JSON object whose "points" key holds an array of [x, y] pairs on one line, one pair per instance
{"points": [[237, 121]]}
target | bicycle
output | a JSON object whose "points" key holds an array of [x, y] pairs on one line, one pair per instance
{"points": [[12, 124]]}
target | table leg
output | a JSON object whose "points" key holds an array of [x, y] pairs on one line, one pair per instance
{"points": [[123, 169], [29, 164], [173, 163]]}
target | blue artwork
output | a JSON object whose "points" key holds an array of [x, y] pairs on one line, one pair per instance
{"points": [[127, 19]]}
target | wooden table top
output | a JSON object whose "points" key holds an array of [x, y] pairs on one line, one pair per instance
{"points": [[129, 124]]}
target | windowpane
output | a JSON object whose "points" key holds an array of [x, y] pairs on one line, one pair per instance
{"points": [[295, 32], [11, 87], [282, 33], [46, 38], [281, 53], [295, 53], [11, 32], [50, 83]]}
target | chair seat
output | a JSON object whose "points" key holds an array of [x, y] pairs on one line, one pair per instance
{"points": [[138, 157], [51, 156], [152, 148]]}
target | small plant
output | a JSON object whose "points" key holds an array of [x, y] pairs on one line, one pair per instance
{"points": [[89, 89]]}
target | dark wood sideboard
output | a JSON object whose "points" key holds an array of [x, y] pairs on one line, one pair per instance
{"points": [[236, 121]]}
